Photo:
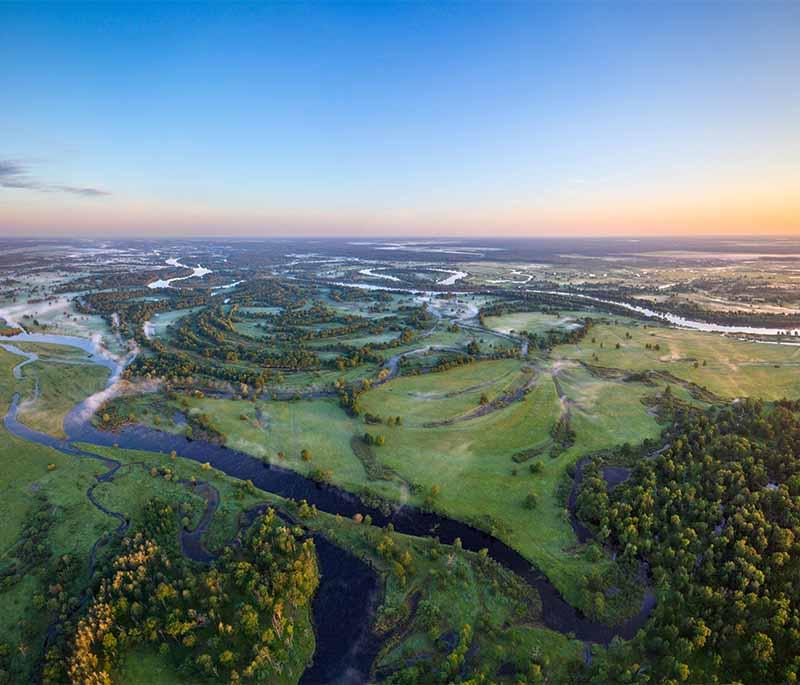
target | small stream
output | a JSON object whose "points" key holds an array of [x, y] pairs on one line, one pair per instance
{"points": [[29, 358]]}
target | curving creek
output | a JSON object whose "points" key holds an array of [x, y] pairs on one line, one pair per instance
{"points": [[349, 591]]}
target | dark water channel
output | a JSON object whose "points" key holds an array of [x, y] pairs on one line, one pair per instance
{"points": [[345, 603]]}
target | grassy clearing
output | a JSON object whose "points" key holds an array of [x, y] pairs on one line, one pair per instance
{"points": [[605, 413], [324, 378], [359, 340], [441, 337], [61, 387], [726, 366], [52, 352], [438, 396], [535, 322], [146, 665], [319, 426], [124, 493], [161, 321]]}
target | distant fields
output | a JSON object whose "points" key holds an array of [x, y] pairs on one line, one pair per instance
{"points": [[726, 366]]}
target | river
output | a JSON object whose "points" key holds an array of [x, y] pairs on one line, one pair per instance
{"points": [[673, 319], [676, 320], [197, 272], [352, 649]]}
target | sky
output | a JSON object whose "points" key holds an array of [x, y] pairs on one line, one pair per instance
{"points": [[400, 119]]}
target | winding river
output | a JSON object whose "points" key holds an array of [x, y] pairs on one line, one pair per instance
{"points": [[348, 591], [676, 320], [197, 272]]}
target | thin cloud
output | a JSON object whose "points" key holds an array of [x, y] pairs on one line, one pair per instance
{"points": [[13, 175], [16, 175], [86, 192]]}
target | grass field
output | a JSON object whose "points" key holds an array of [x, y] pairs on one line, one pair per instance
{"points": [[442, 337], [535, 322], [161, 321], [469, 462], [323, 379], [726, 366], [146, 665], [439, 396], [605, 413], [61, 385]]}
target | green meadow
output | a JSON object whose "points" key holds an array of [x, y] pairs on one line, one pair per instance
{"points": [[726, 366]]}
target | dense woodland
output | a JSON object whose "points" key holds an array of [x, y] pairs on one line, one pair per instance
{"points": [[717, 518], [241, 619]]}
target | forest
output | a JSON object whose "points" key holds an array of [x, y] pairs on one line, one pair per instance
{"points": [[716, 519]]}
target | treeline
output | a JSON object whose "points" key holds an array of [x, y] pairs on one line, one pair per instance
{"points": [[270, 292], [129, 309], [211, 333], [180, 366], [127, 278], [341, 294]]}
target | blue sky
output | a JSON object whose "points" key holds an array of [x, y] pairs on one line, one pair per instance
{"points": [[400, 118]]}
